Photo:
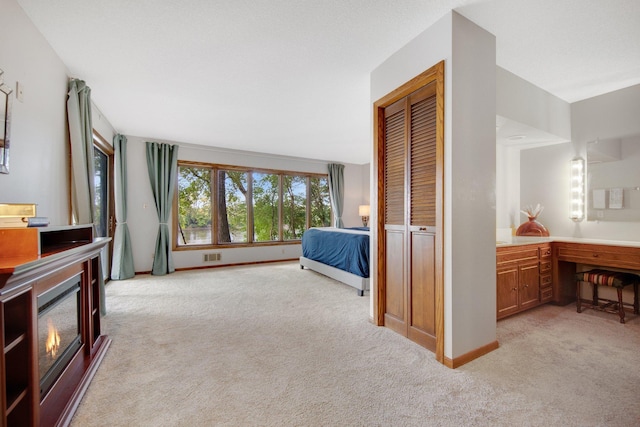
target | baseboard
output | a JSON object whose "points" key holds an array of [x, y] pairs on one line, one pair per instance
{"points": [[237, 264], [468, 357]]}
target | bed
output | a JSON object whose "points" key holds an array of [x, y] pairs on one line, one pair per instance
{"points": [[339, 253]]}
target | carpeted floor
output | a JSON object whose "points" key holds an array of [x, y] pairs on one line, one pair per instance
{"points": [[274, 345]]}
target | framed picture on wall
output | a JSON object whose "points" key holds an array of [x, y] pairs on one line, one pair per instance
{"points": [[616, 198]]}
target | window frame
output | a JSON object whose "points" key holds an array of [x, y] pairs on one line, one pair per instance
{"points": [[214, 168]]}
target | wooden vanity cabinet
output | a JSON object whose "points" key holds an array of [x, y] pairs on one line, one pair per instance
{"points": [[523, 278]]}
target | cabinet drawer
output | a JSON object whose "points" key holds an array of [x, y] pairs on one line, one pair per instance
{"points": [[545, 265], [601, 256], [546, 294], [545, 251], [503, 256], [545, 280]]}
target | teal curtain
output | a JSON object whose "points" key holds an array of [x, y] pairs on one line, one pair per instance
{"points": [[82, 170], [162, 162], [336, 192], [81, 138], [122, 262]]}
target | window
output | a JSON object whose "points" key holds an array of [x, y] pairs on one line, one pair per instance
{"points": [[227, 205], [266, 199], [194, 205], [232, 206]]}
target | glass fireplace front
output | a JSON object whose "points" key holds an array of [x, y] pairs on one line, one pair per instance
{"points": [[59, 330]]}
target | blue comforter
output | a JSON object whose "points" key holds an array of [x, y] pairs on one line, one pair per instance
{"points": [[343, 250]]}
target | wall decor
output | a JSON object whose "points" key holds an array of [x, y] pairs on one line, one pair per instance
{"points": [[616, 198], [5, 124]]}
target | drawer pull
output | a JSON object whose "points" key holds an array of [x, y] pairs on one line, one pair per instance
{"points": [[422, 229], [595, 255]]}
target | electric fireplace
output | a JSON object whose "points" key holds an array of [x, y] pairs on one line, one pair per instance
{"points": [[50, 297], [59, 330]]}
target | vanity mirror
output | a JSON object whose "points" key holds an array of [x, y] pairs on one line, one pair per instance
{"points": [[613, 179], [5, 124]]}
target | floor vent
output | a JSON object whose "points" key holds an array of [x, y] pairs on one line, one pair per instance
{"points": [[211, 257]]}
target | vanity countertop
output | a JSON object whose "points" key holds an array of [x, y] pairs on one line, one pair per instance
{"points": [[525, 240]]}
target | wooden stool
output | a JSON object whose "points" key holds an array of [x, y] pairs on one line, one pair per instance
{"points": [[614, 279]]}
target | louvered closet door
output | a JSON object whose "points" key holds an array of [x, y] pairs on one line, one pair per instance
{"points": [[410, 162], [422, 216], [395, 124]]}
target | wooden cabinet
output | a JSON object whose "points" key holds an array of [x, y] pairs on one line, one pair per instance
{"points": [[523, 278]]}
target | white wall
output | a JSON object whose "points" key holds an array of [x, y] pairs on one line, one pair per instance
{"points": [[545, 171], [143, 220], [101, 124], [470, 156], [39, 152], [523, 102], [507, 187], [612, 115], [472, 188]]}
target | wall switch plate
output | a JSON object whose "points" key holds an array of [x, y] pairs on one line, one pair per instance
{"points": [[19, 91]]}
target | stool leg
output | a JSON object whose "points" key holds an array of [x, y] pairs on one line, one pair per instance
{"points": [[578, 300], [620, 306], [636, 306], [595, 294]]}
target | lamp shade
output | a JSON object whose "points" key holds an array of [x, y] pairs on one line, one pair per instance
{"points": [[363, 210]]}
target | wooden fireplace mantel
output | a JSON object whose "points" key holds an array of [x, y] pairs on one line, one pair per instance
{"points": [[61, 253]]}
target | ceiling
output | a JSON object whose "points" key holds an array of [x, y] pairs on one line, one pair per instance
{"points": [[291, 77]]}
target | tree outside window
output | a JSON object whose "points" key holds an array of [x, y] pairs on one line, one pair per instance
{"points": [[194, 205], [320, 203], [294, 205]]}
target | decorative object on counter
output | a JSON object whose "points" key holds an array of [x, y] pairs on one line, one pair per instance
{"points": [[532, 227], [364, 211], [577, 189]]}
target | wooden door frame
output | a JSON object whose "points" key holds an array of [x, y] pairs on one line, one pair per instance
{"points": [[102, 144], [435, 73]]}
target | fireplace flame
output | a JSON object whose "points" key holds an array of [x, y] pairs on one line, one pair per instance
{"points": [[53, 340]]}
